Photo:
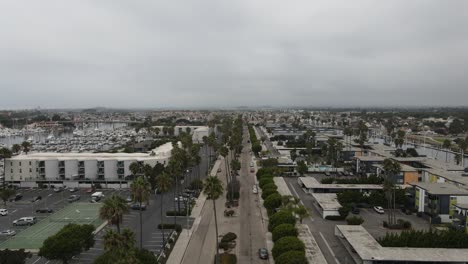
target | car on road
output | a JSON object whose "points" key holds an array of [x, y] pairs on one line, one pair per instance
{"points": [[7, 232], [327, 173], [58, 189], [17, 197], [219, 170], [379, 209], [73, 198], [23, 221], [252, 169], [180, 198], [73, 189], [44, 211], [355, 210], [3, 212], [263, 253], [136, 206], [129, 199], [36, 198], [255, 189]]}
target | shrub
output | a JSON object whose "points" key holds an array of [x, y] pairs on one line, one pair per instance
{"points": [[270, 186], [265, 181], [292, 257], [226, 258], [283, 230], [344, 211], [281, 217], [273, 201], [182, 212], [268, 192], [286, 244], [224, 245], [327, 180], [176, 227], [354, 220], [229, 237]]}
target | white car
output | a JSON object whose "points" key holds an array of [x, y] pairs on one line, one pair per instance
{"points": [[379, 209], [3, 212], [255, 189], [7, 233]]}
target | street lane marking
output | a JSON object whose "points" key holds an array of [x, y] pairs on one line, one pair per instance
{"points": [[329, 248], [39, 258]]}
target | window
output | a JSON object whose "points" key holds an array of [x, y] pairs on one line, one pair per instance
{"points": [[21, 171], [30, 163], [11, 170], [30, 170], [20, 163]]}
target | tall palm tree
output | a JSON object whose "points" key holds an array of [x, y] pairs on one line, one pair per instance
{"points": [[164, 182], [113, 210], [446, 145], [213, 189], [26, 146], [392, 168], [224, 152], [141, 190]]}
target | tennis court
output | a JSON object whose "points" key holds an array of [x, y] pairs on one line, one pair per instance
{"points": [[34, 236]]}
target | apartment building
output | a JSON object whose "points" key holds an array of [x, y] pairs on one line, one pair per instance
{"points": [[82, 168]]}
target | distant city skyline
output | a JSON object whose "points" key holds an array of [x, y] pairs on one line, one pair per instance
{"points": [[212, 54]]}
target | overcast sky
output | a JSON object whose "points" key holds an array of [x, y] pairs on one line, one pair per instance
{"points": [[196, 53]]}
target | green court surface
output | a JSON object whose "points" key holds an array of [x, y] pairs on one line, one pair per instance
{"points": [[34, 236]]}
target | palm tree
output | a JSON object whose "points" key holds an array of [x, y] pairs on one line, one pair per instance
{"points": [[113, 210], [135, 168], [213, 189], [463, 145], [116, 241], [446, 145], [26, 146], [302, 212], [6, 193], [164, 183], [391, 168], [16, 148], [224, 152], [141, 191]]}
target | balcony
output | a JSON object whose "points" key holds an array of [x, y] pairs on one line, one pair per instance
{"points": [[80, 164], [100, 164], [61, 164], [120, 164], [100, 177], [41, 164]]}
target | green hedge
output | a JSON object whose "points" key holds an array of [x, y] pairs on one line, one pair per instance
{"points": [[354, 220], [273, 201], [270, 186], [283, 230], [268, 192], [286, 244], [265, 181], [292, 257], [182, 212], [229, 237], [281, 217], [334, 217]]}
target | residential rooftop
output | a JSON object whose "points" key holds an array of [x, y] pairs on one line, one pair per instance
{"points": [[441, 188], [312, 183], [327, 201]]}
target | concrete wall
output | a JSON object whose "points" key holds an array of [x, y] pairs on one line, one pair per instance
{"points": [[51, 169], [110, 169], [71, 168], [91, 169]]}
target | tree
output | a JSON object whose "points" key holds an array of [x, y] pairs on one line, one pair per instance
{"points": [[141, 191], [164, 183], [281, 217], [71, 240], [16, 148], [446, 145], [14, 256], [135, 168], [273, 201], [392, 168], [292, 257], [283, 230], [5, 194], [456, 127], [120, 248], [302, 212], [285, 244], [256, 148], [113, 209], [301, 167], [26, 146], [213, 189]]}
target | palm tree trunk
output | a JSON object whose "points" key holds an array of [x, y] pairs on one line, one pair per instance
{"points": [[141, 228], [216, 228], [162, 222], [118, 227]]}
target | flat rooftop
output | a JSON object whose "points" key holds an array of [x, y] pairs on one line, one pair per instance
{"points": [[328, 201], [369, 249], [312, 183], [162, 151], [441, 188]]}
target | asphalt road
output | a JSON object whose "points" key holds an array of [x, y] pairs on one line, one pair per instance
{"points": [[253, 227], [152, 237], [273, 151]]}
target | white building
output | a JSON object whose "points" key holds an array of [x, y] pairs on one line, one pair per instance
{"points": [[77, 169]]}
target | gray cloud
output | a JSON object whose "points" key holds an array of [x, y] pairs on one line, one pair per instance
{"points": [[227, 53]]}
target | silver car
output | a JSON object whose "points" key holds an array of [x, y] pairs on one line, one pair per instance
{"points": [[7, 233]]}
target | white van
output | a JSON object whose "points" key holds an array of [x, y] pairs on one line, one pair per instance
{"points": [[97, 194]]}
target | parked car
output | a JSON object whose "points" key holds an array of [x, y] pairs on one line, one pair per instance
{"points": [[263, 253], [95, 199], [73, 198], [3, 212], [219, 170], [74, 189], [58, 189], [30, 220], [252, 169], [255, 190], [379, 209], [129, 199], [327, 173], [89, 190], [44, 210], [36, 198], [180, 198], [136, 206], [7, 232], [17, 197]]}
